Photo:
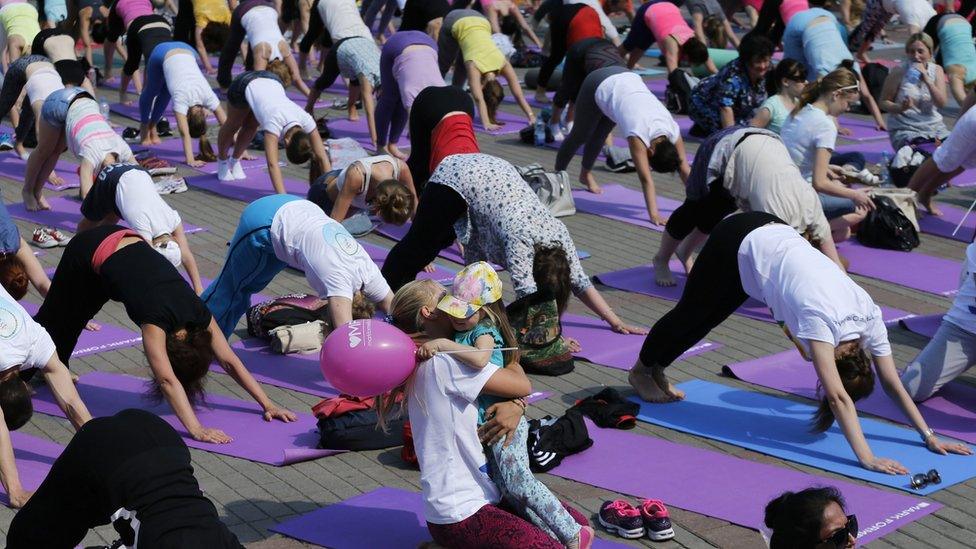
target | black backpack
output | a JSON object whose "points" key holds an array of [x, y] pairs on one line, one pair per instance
{"points": [[677, 97], [887, 227]]}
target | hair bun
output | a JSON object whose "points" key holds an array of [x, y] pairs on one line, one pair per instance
{"points": [[777, 511]]}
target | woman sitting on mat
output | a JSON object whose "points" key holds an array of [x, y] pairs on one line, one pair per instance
{"points": [[810, 518], [489, 220], [956, 154], [18, 264], [441, 124], [913, 13], [70, 118], [784, 84], [583, 57], [24, 346], [92, 26], [281, 231], [18, 20], [256, 101], [133, 469], [204, 25], [569, 23], [481, 62], [747, 169], [331, 21], [442, 404], [912, 95], [376, 184], [829, 318], [953, 37], [663, 23], [179, 335], [172, 74], [810, 136], [125, 192], [143, 29], [612, 96], [408, 64]]}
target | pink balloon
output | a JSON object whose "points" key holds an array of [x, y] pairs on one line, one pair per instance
{"points": [[366, 358]]}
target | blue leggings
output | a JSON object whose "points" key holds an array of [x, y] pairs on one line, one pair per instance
{"points": [[155, 95], [250, 264]]}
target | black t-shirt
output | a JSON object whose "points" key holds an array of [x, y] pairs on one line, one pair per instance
{"points": [[100, 200]]}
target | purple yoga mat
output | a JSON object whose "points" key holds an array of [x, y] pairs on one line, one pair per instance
{"points": [[916, 270], [257, 184], [623, 204], [720, 485], [601, 345], [946, 223], [352, 524], [274, 443], [340, 126], [511, 123], [951, 412], [108, 338], [12, 167], [641, 280], [132, 112], [34, 457], [862, 129], [379, 254], [925, 325], [65, 213], [171, 150]]}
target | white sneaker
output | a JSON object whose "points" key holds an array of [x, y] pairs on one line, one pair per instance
{"points": [[223, 171], [557, 132], [568, 127], [170, 185], [236, 170]]}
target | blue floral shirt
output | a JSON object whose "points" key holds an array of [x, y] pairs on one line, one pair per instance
{"points": [[730, 87]]}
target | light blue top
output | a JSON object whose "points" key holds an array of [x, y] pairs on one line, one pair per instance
{"points": [[777, 112], [485, 327], [956, 45]]}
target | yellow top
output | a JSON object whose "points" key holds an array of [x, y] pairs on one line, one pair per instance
{"points": [[20, 20], [210, 11], [474, 36]]}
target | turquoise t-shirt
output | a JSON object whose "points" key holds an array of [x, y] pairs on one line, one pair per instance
{"points": [[777, 113], [468, 338]]}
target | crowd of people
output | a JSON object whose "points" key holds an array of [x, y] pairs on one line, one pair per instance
{"points": [[767, 129]]}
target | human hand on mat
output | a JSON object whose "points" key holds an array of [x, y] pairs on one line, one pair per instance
{"points": [[935, 445], [274, 412], [658, 219], [18, 498], [93, 326], [429, 268], [195, 163], [503, 418], [884, 465], [206, 434], [627, 329], [841, 130], [572, 344]]}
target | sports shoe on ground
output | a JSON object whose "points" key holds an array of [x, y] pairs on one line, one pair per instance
{"points": [[557, 132], [656, 519], [170, 185], [236, 169], [59, 237], [43, 240], [621, 518], [6, 142], [223, 171]]}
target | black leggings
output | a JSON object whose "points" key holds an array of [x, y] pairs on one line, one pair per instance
{"points": [[703, 214], [770, 22], [432, 230], [712, 292], [140, 42], [428, 109]]}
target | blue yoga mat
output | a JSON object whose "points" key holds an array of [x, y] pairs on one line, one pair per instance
{"points": [[781, 428]]}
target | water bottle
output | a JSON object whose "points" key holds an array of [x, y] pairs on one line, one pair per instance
{"points": [[104, 107], [885, 172], [540, 132], [546, 115]]}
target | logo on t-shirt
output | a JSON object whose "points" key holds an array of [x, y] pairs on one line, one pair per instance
{"points": [[336, 234], [9, 320]]}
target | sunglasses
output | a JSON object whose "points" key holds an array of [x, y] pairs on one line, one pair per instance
{"points": [[840, 538], [921, 480]]}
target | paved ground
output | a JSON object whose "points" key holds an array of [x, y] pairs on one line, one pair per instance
{"points": [[250, 497]]}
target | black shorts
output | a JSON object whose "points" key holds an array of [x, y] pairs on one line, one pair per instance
{"points": [[235, 93]]}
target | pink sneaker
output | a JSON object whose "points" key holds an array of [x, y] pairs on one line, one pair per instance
{"points": [[586, 537], [621, 518], [656, 519]]}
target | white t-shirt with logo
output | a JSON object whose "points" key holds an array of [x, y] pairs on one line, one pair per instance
{"points": [[444, 419], [22, 341], [963, 310], [808, 292], [334, 264]]}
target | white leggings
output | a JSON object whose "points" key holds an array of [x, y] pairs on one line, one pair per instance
{"points": [[951, 352]]}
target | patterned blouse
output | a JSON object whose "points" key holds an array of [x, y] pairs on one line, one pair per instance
{"points": [[729, 87], [505, 219]]}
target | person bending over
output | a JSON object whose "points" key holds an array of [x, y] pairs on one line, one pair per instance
{"points": [[662, 22], [358, 60], [204, 25], [379, 185]]}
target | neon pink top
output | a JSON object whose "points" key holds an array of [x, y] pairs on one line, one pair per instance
{"points": [[664, 19], [789, 8], [128, 10]]}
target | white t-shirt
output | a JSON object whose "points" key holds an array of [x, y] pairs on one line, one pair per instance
{"points": [[22, 341], [187, 84], [444, 419], [342, 20], [142, 207], [255, 23], [910, 12], [806, 291], [625, 99], [334, 264], [273, 110], [959, 149], [963, 310], [803, 134]]}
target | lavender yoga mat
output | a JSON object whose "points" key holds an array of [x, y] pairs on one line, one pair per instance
{"points": [[12, 167], [925, 325], [257, 184], [510, 123], [359, 130], [108, 338], [352, 524], [862, 129], [916, 270], [171, 150], [132, 112], [951, 412], [711, 483], [601, 345], [641, 280], [65, 213], [34, 457], [945, 224], [623, 204], [274, 443]]}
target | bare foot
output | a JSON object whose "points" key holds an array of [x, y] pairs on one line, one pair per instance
{"points": [[29, 201], [926, 201], [541, 97], [662, 382], [686, 258], [55, 179], [353, 115], [641, 379], [395, 151], [662, 273], [43, 202], [590, 183], [156, 140], [145, 141]]}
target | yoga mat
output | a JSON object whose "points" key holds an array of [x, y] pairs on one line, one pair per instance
{"points": [[171, 150], [723, 486], [915, 270], [65, 213], [641, 280], [781, 428], [132, 112], [623, 204], [108, 338], [511, 123], [352, 524], [648, 71], [34, 457], [946, 223], [925, 325], [862, 129], [12, 167], [379, 253], [951, 412], [601, 345], [257, 184], [340, 126], [274, 442]]}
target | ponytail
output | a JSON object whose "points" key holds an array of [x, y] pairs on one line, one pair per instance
{"points": [[839, 79], [810, 94]]}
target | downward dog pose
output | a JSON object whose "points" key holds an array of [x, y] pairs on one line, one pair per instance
{"points": [[378, 184], [614, 95], [18, 20], [92, 17], [40, 78], [441, 124], [172, 74], [774, 15], [281, 231], [498, 10], [732, 95], [914, 13], [583, 57], [18, 264], [358, 60], [747, 169], [144, 30], [179, 335], [913, 93], [70, 118], [408, 64], [330, 22], [953, 36], [256, 101], [389, 8], [59, 47], [662, 22], [481, 62], [703, 10], [568, 25], [483, 202], [126, 192], [425, 16], [24, 347], [832, 321], [204, 25], [132, 469], [52, 13], [955, 154]]}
